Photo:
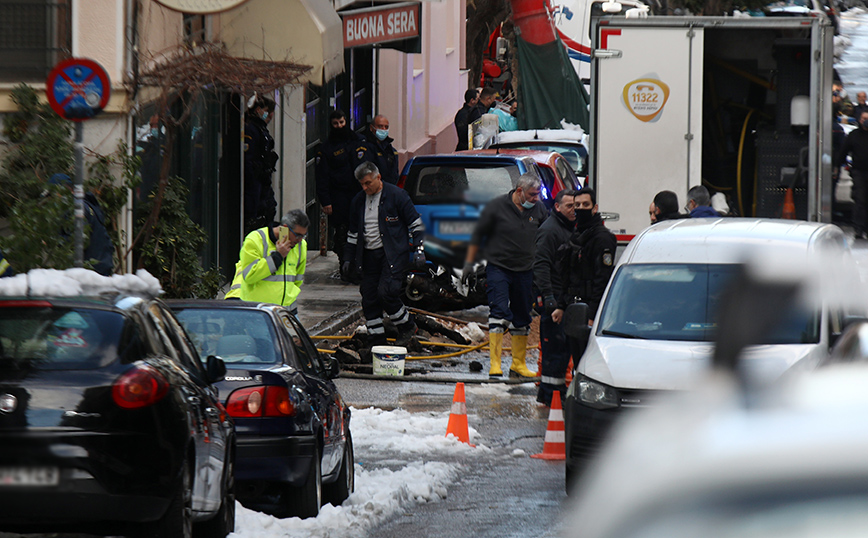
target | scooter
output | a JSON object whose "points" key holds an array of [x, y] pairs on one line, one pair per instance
{"points": [[438, 286]]}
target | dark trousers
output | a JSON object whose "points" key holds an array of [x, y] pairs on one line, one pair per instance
{"points": [[555, 360], [860, 199], [338, 232], [510, 296], [380, 289]]}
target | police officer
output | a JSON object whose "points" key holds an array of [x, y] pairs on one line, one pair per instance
{"points": [[507, 226], [552, 239], [591, 260], [377, 148], [260, 159], [383, 226], [272, 262], [336, 186]]}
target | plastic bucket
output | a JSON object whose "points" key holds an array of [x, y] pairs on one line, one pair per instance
{"points": [[388, 360]]}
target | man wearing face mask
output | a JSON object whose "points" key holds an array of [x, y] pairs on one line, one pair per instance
{"points": [[507, 226], [486, 100], [377, 148], [335, 183], [591, 257], [856, 145], [552, 239], [260, 160]]}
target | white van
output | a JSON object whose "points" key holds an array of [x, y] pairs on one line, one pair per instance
{"points": [[656, 324]]}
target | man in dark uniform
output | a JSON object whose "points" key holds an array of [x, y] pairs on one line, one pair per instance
{"points": [[377, 148], [591, 260], [664, 207], [507, 227], [486, 100], [383, 226], [856, 145], [336, 186], [467, 115], [260, 159], [548, 278]]}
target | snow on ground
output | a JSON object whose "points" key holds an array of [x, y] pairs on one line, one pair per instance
{"points": [[413, 442]]}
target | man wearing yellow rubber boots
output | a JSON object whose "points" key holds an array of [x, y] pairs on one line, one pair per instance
{"points": [[507, 227]]}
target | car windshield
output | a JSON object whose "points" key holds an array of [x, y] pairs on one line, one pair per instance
{"points": [[238, 336], [680, 302], [459, 184], [58, 338]]}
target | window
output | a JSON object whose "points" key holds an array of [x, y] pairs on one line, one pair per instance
{"points": [[34, 36], [194, 29]]}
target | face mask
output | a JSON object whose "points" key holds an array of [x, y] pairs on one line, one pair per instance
{"points": [[865, 124], [265, 116], [381, 134], [527, 204], [583, 216]]}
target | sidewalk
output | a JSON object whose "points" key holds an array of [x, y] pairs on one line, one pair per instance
{"points": [[326, 305]]}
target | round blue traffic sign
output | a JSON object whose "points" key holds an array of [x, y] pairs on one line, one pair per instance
{"points": [[78, 89]]}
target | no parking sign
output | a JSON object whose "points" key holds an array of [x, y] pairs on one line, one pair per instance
{"points": [[78, 89]]}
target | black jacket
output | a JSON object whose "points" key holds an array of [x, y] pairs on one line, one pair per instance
{"points": [[401, 229], [591, 260], [380, 153], [507, 234], [99, 246], [464, 117], [552, 242], [856, 144], [336, 185], [259, 162]]}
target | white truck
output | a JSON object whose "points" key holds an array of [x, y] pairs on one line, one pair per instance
{"points": [[741, 105]]}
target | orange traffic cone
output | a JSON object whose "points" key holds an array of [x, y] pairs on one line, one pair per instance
{"points": [[569, 375], [458, 417], [789, 209], [554, 447]]}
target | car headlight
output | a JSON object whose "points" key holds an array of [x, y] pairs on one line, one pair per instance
{"points": [[597, 395]]}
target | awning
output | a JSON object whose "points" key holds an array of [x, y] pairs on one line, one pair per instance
{"points": [[306, 32]]}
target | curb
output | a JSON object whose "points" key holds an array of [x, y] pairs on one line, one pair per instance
{"points": [[337, 322]]}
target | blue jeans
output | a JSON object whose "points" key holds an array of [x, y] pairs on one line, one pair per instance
{"points": [[510, 297]]}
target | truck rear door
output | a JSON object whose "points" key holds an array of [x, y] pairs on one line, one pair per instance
{"points": [[646, 120]]}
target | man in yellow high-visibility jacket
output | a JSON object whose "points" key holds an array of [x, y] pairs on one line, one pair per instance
{"points": [[272, 261]]}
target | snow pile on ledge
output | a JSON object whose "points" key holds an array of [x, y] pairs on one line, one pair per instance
{"points": [[76, 282]]}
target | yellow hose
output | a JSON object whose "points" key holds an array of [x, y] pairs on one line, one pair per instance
{"points": [[464, 350], [740, 155]]}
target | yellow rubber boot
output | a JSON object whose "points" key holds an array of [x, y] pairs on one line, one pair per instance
{"points": [[495, 349], [519, 352]]}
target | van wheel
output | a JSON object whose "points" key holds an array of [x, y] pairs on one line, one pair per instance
{"points": [[338, 491]]}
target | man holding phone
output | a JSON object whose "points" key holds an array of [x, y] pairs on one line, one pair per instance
{"points": [[272, 261]]}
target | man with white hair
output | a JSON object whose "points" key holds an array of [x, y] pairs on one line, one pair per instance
{"points": [[507, 226]]}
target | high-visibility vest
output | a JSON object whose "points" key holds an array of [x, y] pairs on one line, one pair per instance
{"points": [[261, 280]]}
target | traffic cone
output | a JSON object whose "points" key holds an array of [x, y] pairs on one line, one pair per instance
{"points": [[458, 416], [789, 209], [554, 447], [569, 374]]}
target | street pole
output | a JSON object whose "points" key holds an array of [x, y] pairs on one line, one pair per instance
{"points": [[78, 193]]}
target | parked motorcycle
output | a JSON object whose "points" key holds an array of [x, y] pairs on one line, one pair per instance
{"points": [[438, 286]]}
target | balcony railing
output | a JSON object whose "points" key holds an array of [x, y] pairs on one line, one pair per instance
{"points": [[34, 36]]}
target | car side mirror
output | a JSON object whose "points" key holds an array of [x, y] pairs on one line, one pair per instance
{"points": [[575, 321], [215, 368], [332, 367]]}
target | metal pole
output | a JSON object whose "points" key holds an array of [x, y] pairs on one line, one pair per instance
{"points": [[78, 194]]}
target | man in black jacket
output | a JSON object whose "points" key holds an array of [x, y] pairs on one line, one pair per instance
{"points": [[382, 219], [591, 260], [377, 148], [466, 116], [552, 239], [336, 186], [260, 160], [856, 145]]}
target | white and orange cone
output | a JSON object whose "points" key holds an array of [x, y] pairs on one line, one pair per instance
{"points": [[458, 417], [554, 447]]}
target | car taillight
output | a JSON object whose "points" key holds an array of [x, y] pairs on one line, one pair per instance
{"points": [[267, 401], [402, 180], [139, 387]]}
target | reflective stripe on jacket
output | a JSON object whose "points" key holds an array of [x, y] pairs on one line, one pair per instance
{"points": [[262, 280]]}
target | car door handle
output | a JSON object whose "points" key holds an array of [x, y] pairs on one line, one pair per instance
{"points": [[193, 400]]}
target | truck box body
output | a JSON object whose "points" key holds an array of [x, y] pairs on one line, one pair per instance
{"points": [[679, 101]]}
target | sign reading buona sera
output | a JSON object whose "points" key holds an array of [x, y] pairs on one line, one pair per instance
{"points": [[201, 6], [379, 25]]}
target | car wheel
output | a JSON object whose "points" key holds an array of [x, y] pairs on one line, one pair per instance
{"points": [[223, 521], [338, 491], [177, 521], [306, 500]]}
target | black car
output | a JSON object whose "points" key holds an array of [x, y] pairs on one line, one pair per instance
{"points": [[295, 451], [109, 421]]}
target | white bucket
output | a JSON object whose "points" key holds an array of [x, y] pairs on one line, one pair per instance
{"points": [[389, 360]]}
